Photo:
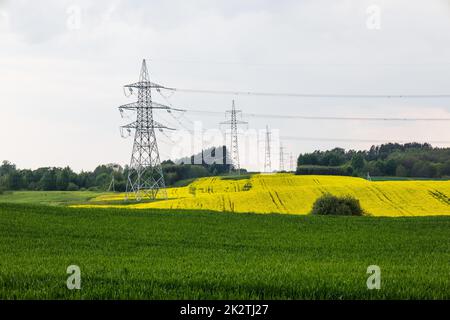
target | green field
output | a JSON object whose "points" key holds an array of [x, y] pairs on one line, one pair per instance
{"points": [[48, 197], [158, 254]]}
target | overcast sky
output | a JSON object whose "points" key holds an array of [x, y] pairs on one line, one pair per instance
{"points": [[63, 65]]}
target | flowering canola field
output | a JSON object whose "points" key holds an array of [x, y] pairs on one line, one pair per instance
{"points": [[295, 194]]}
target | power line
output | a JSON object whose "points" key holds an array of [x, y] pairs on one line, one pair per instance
{"points": [[299, 64], [361, 140], [302, 117], [312, 95]]}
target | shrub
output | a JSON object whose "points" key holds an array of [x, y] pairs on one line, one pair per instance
{"points": [[338, 206]]}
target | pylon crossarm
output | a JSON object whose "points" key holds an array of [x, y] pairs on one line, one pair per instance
{"points": [[235, 111], [135, 105], [142, 126], [129, 106], [131, 125], [144, 85]]}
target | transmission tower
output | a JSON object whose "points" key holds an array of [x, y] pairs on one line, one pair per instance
{"points": [[111, 184], [281, 158], [114, 168], [234, 146], [145, 175], [267, 162]]}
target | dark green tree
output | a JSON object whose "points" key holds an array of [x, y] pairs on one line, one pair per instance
{"points": [[357, 162]]}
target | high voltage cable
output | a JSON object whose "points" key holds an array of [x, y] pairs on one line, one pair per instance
{"points": [[312, 95], [299, 64], [321, 139], [360, 140], [274, 116]]}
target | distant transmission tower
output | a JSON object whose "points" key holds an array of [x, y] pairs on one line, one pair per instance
{"points": [[267, 162], [111, 184], [145, 174], [281, 158], [234, 146], [115, 168]]}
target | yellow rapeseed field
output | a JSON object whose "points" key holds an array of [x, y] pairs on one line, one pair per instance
{"points": [[292, 194]]}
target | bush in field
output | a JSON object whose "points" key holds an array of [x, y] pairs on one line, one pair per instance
{"points": [[337, 206]]}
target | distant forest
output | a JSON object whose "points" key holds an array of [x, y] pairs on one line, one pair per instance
{"points": [[395, 160], [392, 159], [65, 179]]}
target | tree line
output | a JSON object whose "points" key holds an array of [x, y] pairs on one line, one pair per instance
{"points": [[391, 159], [65, 179]]}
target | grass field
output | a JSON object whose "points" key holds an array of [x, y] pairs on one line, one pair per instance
{"points": [[293, 194], [48, 197], [161, 254]]}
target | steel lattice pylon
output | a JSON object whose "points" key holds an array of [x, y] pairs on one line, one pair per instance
{"points": [[234, 146], [145, 174], [267, 161], [281, 158]]}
